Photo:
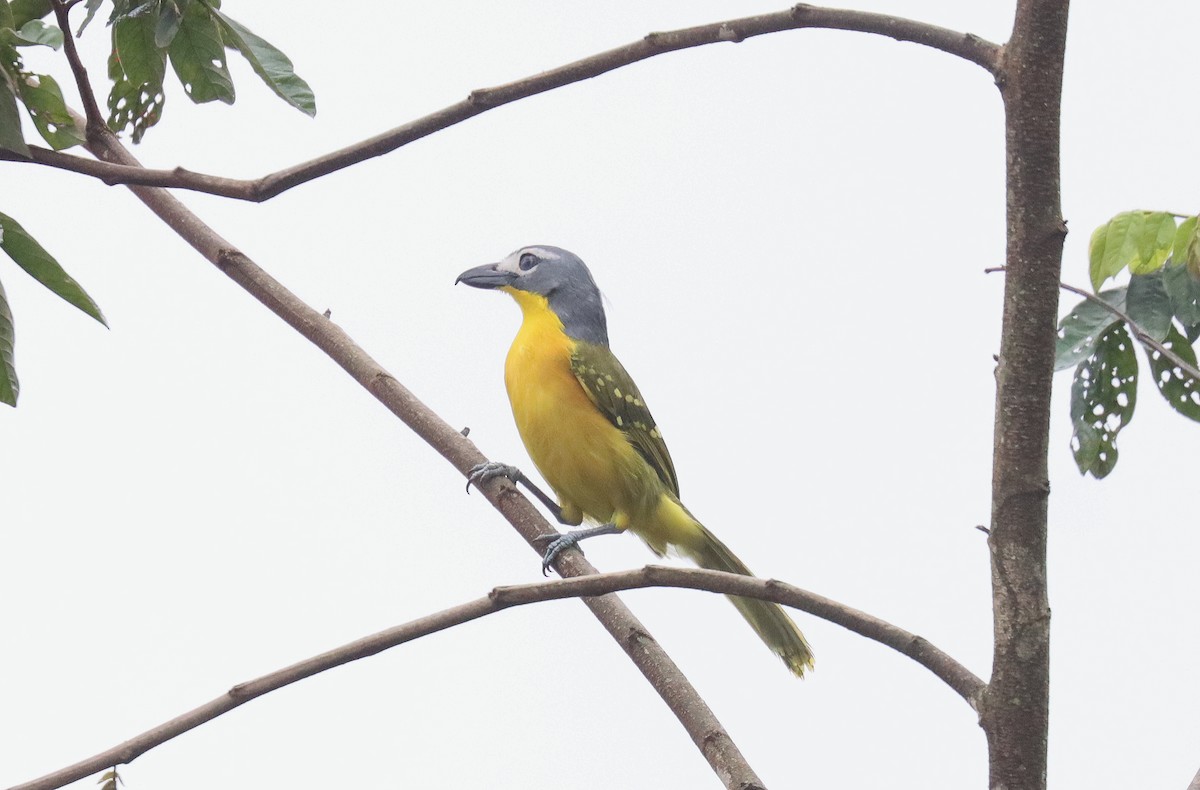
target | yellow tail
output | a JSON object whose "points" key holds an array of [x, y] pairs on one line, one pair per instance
{"points": [[767, 619]]}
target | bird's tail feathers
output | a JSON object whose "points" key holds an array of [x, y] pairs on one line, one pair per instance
{"points": [[768, 620]]}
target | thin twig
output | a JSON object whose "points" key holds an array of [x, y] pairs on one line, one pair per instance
{"points": [[1138, 331], [95, 119], [964, 45], [500, 598], [705, 730]]}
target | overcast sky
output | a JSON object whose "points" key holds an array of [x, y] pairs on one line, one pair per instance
{"points": [[791, 235]]}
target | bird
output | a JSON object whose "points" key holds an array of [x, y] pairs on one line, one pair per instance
{"points": [[590, 434]]}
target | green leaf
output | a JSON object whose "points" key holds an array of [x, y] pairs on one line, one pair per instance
{"points": [[27, 10], [198, 57], [128, 9], [1180, 389], [1148, 305], [136, 68], [48, 109], [1185, 245], [33, 33], [6, 16], [1103, 396], [1141, 240], [133, 41], [40, 265], [1080, 329], [1113, 246], [169, 18], [11, 138], [9, 386], [92, 7], [1096, 247], [271, 65], [1184, 292], [1155, 242]]}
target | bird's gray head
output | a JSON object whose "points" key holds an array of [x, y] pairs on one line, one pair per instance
{"points": [[559, 276]]}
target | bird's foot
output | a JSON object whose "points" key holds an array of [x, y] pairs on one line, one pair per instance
{"points": [[561, 541], [490, 470]]}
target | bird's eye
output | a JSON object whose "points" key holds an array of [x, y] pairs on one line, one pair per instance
{"points": [[528, 261]]}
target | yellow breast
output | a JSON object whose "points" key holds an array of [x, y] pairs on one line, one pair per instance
{"points": [[585, 459]]}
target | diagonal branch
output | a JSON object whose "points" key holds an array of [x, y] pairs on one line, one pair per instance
{"points": [[967, 46], [660, 671], [500, 598], [1138, 331]]}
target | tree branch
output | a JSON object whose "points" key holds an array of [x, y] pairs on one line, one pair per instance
{"points": [[1195, 783], [919, 649], [676, 691], [95, 119], [963, 45], [1015, 709], [500, 598]]}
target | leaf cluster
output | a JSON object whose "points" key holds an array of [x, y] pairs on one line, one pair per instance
{"points": [[192, 36], [147, 35], [21, 26], [1162, 300]]}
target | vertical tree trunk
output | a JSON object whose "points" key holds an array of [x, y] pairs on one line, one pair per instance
{"points": [[1015, 713]]}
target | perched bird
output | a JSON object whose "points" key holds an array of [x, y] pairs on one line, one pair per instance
{"points": [[589, 433]]}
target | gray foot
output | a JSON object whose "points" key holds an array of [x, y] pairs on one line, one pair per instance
{"points": [[490, 470], [561, 542]]}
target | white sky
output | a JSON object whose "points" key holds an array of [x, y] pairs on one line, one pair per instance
{"points": [[791, 235]]}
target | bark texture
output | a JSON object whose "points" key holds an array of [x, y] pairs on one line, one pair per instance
{"points": [[1015, 713]]}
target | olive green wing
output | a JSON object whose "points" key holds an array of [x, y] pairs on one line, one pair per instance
{"points": [[611, 388]]}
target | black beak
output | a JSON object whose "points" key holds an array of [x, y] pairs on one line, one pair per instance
{"points": [[486, 276]]}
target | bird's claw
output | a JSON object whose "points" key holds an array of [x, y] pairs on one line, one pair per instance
{"points": [[490, 470], [559, 542]]}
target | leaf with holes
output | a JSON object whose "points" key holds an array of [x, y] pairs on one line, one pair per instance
{"points": [[133, 41], [1184, 292], [271, 65], [136, 68], [40, 265], [9, 387], [1081, 328], [131, 104], [198, 57], [1148, 305], [1103, 397], [44, 100], [1179, 388]]}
